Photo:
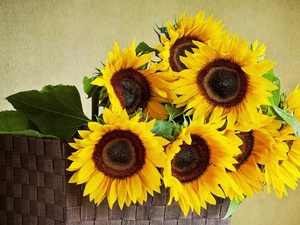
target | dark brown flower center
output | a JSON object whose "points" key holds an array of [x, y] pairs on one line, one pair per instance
{"points": [[131, 88], [178, 49], [223, 83], [246, 148], [119, 154], [191, 161]]}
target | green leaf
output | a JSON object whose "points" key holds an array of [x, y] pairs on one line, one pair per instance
{"points": [[291, 120], [32, 133], [13, 122], [173, 111], [275, 99], [48, 88], [55, 111], [163, 128], [86, 84], [163, 30], [88, 88], [144, 48], [233, 206]]}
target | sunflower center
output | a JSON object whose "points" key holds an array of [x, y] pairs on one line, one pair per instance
{"points": [[178, 49], [185, 158], [131, 88], [119, 154], [191, 161], [223, 83], [246, 148]]}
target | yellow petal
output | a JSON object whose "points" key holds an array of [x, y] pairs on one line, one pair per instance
{"points": [[85, 173], [122, 192], [112, 193], [93, 183]]}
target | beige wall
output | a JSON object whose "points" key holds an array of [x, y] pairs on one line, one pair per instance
{"points": [[60, 41]]}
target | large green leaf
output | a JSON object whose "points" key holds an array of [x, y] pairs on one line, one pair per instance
{"points": [[32, 133], [56, 110], [13, 122]]}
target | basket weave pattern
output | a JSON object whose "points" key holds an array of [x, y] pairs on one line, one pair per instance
{"points": [[34, 190]]}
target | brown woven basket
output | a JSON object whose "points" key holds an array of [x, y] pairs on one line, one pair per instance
{"points": [[34, 190]]}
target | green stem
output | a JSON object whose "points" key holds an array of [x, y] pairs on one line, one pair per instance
{"points": [[95, 106]]}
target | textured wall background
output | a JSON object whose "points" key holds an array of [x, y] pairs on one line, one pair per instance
{"points": [[52, 42]]}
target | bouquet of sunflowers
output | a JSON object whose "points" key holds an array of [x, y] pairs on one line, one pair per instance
{"points": [[200, 113]]}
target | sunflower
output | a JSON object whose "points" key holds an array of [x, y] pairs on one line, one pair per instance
{"points": [[287, 170], [259, 149], [284, 172], [130, 87], [180, 37], [118, 160], [229, 78], [197, 163], [293, 104]]}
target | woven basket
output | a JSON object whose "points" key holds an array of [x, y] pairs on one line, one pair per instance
{"points": [[34, 190]]}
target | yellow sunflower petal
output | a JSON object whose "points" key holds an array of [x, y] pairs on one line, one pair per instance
{"points": [[112, 193], [93, 183], [85, 173]]}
